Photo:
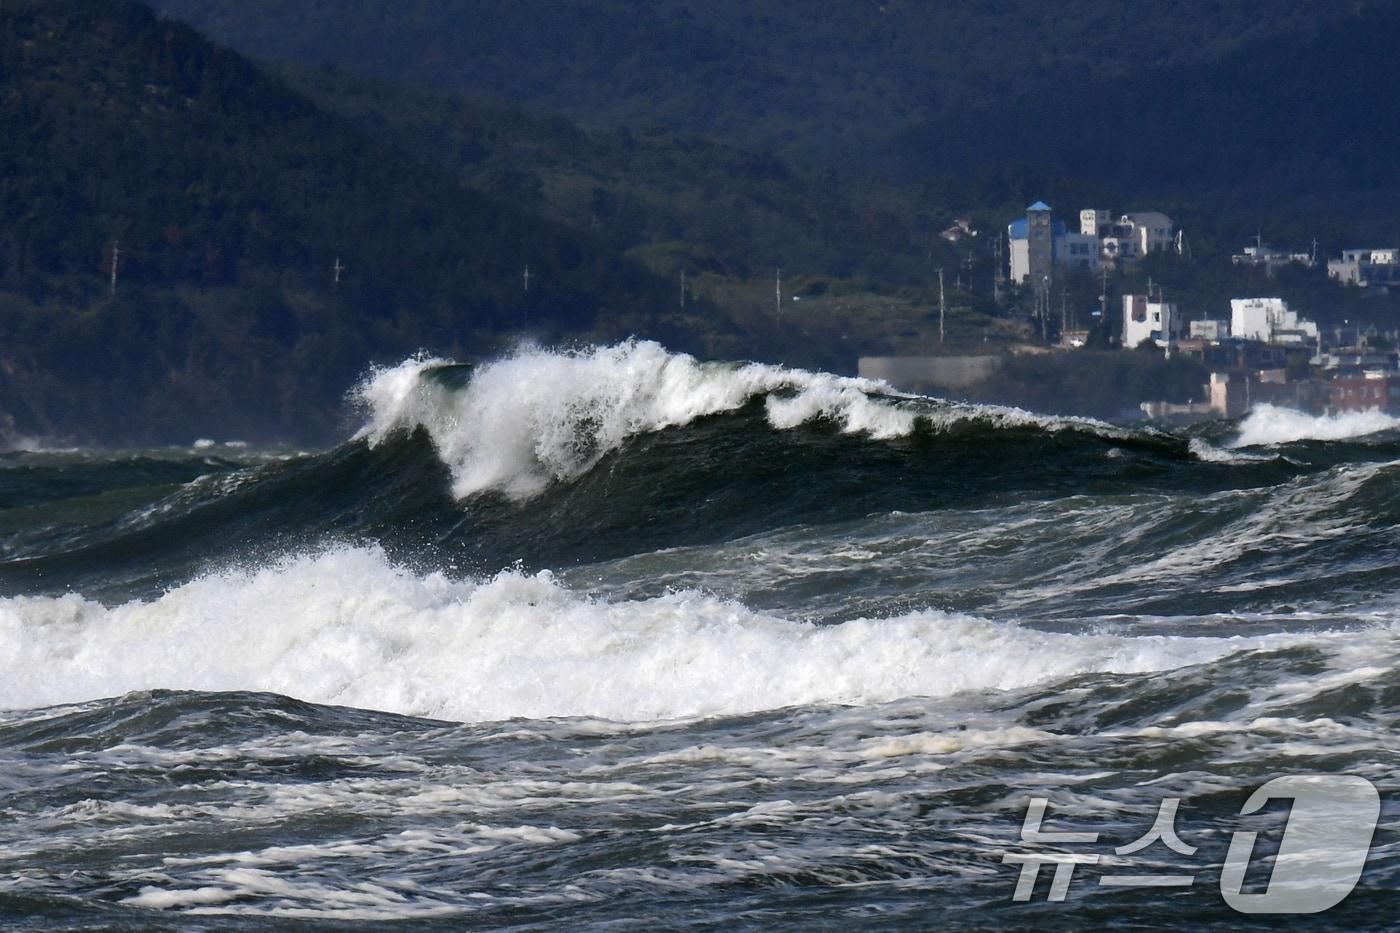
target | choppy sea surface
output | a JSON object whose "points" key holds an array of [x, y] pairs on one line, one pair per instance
{"points": [[612, 638]]}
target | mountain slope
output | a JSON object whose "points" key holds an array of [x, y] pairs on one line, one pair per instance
{"points": [[231, 199], [1293, 133], [719, 207], [830, 82]]}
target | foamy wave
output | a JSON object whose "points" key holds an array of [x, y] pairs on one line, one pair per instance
{"points": [[540, 416], [1267, 425], [1207, 453], [347, 627]]}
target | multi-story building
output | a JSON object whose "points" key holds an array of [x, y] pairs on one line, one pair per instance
{"points": [[1367, 268], [1151, 231], [1039, 242], [1144, 319], [1269, 320], [1131, 236], [1091, 221], [1379, 390], [1211, 331]]}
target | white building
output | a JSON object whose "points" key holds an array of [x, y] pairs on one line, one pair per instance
{"points": [[1366, 267], [1091, 221], [1270, 259], [1210, 330], [1151, 231], [1131, 236], [1038, 242], [1143, 319], [1269, 320]]}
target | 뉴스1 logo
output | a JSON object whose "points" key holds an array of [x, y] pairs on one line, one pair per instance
{"points": [[1324, 848]]}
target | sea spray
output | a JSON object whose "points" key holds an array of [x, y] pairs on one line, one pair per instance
{"points": [[540, 416], [347, 627], [1269, 425]]}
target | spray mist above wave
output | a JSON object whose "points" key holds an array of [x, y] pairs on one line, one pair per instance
{"points": [[540, 416], [347, 627], [1268, 425]]}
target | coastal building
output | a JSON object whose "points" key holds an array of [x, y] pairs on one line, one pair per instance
{"points": [[1211, 331], [1269, 259], [1039, 243], [1270, 320], [1366, 268], [1130, 237], [1092, 221], [1353, 361], [1151, 231], [1144, 319], [1372, 390]]}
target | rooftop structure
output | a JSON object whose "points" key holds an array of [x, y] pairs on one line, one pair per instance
{"points": [[1267, 258]]}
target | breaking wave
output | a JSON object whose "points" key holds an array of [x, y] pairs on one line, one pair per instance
{"points": [[1268, 425], [541, 416], [347, 627]]}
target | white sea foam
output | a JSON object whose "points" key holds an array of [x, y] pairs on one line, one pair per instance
{"points": [[539, 416], [1267, 425], [1207, 453], [346, 627]]}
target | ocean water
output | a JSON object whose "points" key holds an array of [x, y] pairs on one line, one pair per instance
{"points": [[612, 638]]}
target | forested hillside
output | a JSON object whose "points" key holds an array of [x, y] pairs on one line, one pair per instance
{"points": [[230, 200], [678, 200], [1232, 116], [832, 82], [1293, 134]]}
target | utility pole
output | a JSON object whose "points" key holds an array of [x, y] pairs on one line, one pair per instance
{"points": [[682, 287], [996, 276], [1103, 295], [527, 276], [1045, 310], [778, 290], [337, 269], [116, 254], [1064, 314], [942, 308]]}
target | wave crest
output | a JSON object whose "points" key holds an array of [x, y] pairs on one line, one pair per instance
{"points": [[347, 627], [540, 416], [1268, 425]]}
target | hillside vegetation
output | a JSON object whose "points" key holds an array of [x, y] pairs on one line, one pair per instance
{"points": [[830, 82], [230, 199]]}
